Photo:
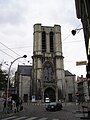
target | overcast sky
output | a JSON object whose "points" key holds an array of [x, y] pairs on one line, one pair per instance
{"points": [[17, 18]]}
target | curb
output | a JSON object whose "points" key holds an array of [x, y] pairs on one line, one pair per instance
{"points": [[5, 114]]}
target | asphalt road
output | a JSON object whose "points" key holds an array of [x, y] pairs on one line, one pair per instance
{"points": [[38, 110]]}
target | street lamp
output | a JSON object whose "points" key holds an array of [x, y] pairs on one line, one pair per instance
{"points": [[74, 31], [24, 56]]}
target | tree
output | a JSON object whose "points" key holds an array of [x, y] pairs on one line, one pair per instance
{"points": [[3, 80]]}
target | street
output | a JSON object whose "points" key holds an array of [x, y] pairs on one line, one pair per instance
{"points": [[34, 111]]}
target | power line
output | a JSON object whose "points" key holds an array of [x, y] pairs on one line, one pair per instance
{"points": [[9, 55], [10, 50], [20, 47], [74, 41], [67, 37], [71, 34]]}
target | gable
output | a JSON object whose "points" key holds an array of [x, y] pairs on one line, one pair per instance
{"points": [[67, 73], [25, 70]]}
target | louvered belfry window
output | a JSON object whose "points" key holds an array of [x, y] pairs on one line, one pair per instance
{"points": [[43, 41], [51, 41]]}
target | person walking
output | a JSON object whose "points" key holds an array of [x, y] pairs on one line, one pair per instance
{"points": [[17, 105], [13, 106], [4, 105], [21, 107], [20, 100]]}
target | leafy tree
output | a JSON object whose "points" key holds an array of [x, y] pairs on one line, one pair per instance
{"points": [[3, 80]]}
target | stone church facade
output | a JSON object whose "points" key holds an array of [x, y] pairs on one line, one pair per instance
{"points": [[48, 76]]}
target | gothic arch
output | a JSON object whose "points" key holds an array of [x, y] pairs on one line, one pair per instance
{"points": [[50, 93], [48, 62]]}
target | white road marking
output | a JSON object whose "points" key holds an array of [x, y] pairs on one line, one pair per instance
{"points": [[11, 117], [32, 118], [20, 118], [25, 118], [55, 119], [43, 119]]}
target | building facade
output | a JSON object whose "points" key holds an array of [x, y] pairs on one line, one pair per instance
{"points": [[48, 77], [83, 13], [23, 79], [23, 87], [82, 86], [71, 86]]}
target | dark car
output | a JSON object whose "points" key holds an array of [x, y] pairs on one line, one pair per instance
{"points": [[54, 106]]}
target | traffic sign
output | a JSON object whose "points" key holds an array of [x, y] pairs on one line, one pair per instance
{"points": [[81, 63]]}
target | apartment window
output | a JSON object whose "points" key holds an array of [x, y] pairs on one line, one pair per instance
{"points": [[51, 41], [43, 41]]}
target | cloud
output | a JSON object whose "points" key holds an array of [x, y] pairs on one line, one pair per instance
{"points": [[17, 18], [12, 11], [19, 11]]}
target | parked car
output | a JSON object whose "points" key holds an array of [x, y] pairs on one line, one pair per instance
{"points": [[54, 106]]}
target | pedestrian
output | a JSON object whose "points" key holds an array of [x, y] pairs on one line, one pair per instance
{"points": [[20, 101], [4, 105], [21, 107], [17, 105], [13, 106], [10, 104]]}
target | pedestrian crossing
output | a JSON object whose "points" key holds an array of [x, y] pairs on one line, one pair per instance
{"points": [[27, 118]]}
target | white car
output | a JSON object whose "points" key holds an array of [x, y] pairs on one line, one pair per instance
{"points": [[47, 100]]}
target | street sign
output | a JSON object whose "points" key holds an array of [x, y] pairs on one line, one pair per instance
{"points": [[89, 47], [81, 63], [33, 98]]}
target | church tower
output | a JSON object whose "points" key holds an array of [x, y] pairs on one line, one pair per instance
{"points": [[48, 77]]}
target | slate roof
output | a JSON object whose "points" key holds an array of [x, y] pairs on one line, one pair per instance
{"points": [[25, 70], [67, 73]]}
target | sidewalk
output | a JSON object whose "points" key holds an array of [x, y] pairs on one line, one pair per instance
{"points": [[76, 110], [3, 114]]}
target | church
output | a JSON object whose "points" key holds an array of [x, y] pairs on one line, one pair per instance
{"points": [[46, 78]]}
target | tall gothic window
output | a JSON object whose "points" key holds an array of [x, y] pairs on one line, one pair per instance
{"points": [[48, 72], [43, 41], [51, 41]]}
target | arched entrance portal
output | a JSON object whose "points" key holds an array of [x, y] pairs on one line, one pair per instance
{"points": [[50, 92]]}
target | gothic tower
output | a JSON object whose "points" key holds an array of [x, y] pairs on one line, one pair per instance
{"points": [[48, 78]]}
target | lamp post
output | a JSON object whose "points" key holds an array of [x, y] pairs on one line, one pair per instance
{"points": [[24, 56], [74, 31]]}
